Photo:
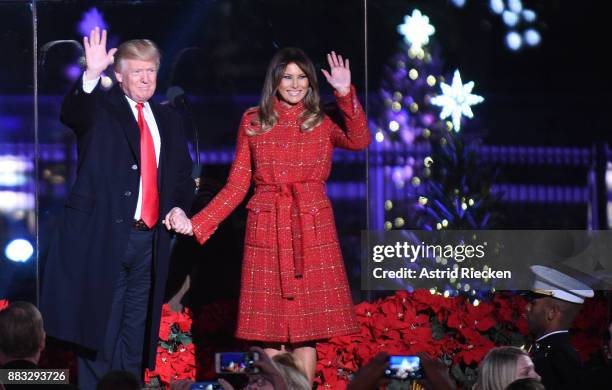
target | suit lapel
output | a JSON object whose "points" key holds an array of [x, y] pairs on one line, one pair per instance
{"points": [[128, 122]]}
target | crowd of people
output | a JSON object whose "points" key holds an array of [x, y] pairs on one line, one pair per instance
{"points": [[103, 281], [22, 340]]}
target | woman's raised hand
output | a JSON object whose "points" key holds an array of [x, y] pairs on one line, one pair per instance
{"points": [[339, 75], [96, 56]]}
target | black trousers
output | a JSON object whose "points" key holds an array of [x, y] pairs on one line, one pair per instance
{"points": [[124, 340]]}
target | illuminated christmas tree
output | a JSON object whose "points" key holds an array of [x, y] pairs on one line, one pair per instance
{"points": [[433, 179]]}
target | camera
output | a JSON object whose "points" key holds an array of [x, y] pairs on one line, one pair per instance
{"points": [[236, 362], [206, 386], [404, 367]]}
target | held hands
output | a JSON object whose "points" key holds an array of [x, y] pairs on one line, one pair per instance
{"points": [[96, 56], [178, 221], [339, 75]]}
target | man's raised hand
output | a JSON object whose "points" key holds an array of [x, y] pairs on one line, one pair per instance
{"points": [[96, 56]]}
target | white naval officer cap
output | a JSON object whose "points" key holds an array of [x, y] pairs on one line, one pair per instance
{"points": [[552, 283]]}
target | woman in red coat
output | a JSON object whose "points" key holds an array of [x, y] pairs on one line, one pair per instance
{"points": [[294, 288]]}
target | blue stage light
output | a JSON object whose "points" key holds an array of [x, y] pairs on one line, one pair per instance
{"points": [[532, 37], [514, 40], [19, 250]]}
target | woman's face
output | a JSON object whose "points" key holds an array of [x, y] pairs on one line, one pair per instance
{"points": [[293, 86], [525, 368]]}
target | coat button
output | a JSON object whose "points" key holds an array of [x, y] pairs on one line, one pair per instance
{"points": [[127, 193], [134, 167], [118, 220]]}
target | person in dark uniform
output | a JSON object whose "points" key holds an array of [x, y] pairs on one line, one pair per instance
{"points": [[555, 301]]}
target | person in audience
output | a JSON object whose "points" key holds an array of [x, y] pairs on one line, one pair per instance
{"points": [[554, 301], [22, 340], [22, 336], [268, 377], [526, 384], [294, 376], [371, 375], [502, 366]]}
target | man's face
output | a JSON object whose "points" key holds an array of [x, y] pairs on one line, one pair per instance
{"points": [[138, 79], [536, 313]]}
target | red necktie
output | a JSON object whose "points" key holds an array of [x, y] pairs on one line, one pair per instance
{"points": [[148, 172]]}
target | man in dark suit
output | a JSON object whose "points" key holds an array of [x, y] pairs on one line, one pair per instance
{"points": [[103, 283], [555, 300]]}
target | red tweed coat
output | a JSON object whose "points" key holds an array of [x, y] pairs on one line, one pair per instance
{"points": [[294, 286]]}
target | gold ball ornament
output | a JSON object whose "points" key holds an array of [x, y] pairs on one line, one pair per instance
{"points": [[399, 222]]}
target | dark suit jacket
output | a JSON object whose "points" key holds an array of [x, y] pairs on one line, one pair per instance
{"points": [[557, 362], [84, 259]]}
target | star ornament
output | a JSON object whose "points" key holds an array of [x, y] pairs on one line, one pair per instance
{"points": [[456, 100], [416, 30]]}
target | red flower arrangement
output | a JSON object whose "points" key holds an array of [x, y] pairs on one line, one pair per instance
{"points": [[3, 303], [589, 328], [175, 352], [454, 329]]}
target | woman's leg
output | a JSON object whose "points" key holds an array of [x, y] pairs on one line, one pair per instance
{"points": [[307, 357], [273, 349]]}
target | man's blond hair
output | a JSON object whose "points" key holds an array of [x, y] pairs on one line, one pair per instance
{"points": [[137, 49]]}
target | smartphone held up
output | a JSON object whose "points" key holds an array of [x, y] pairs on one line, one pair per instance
{"points": [[404, 367], [236, 362]]}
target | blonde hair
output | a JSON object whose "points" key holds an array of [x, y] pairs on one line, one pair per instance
{"points": [[267, 116], [498, 368], [291, 372], [137, 49]]}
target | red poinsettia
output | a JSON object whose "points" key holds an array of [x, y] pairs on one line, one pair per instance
{"points": [[409, 323], [176, 352], [3, 303]]}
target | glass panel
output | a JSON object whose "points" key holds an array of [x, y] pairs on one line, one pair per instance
{"points": [[17, 165]]}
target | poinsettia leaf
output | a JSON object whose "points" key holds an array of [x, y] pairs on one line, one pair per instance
{"points": [[457, 373], [437, 331], [154, 383], [164, 345], [185, 339]]}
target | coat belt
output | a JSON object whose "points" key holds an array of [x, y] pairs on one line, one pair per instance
{"points": [[289, 232]]}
